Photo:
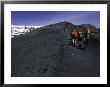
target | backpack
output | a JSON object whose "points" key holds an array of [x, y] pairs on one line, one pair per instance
{"points": [[81, 35]]}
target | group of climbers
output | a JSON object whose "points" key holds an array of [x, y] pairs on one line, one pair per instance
{"points": [[79, 38]]}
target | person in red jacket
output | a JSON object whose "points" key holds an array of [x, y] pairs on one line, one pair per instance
{"points": [[74, 35]]}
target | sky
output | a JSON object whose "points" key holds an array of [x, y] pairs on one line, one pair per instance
{"points": [[42, 18]]}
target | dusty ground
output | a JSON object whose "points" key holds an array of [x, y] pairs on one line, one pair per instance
{"points": [[48, 53]]}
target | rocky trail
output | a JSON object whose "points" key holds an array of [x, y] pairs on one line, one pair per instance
{"points": [[49, 54]]}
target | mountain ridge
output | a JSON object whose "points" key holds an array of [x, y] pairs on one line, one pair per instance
{"points": [[62, 26]]}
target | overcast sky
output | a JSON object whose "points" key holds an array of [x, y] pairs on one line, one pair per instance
{"points": [[41, 18]]}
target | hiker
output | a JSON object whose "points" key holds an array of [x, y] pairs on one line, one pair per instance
{"points": [[88, 33], [74, 35], [80, 39], [86, 38]]}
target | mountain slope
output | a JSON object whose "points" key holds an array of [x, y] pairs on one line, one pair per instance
{"points": [[47, 53]]}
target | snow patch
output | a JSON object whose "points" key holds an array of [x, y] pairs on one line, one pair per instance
{"points": [[21, 29]]}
